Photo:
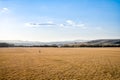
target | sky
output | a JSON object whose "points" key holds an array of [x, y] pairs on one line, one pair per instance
{"points": [[59, 20]]}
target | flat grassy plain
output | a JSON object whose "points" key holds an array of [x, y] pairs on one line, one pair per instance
{"points": [[59, 63]]}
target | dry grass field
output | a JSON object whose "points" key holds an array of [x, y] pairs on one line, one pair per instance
{"points": [[59, 63]]}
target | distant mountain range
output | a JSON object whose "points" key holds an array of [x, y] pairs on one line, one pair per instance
{"points": [[105, 41], [31, 43], [100, 42]]}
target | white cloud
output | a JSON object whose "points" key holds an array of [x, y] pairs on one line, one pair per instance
{"points": [[74, 24], [28, 24], [4, 10], [67, 23], [70, 22], [39, 24], [61, 25]]}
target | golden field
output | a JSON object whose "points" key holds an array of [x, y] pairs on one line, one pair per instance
{"points": [[59, 63]]}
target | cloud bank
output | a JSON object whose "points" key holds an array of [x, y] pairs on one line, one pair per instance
{"points": [[67, 23]]}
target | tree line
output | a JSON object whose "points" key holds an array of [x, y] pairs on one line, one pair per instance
{"points": [[64, 45], [6, 45]]}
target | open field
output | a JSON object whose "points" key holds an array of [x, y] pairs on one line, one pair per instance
{"points": [[59, 63]]}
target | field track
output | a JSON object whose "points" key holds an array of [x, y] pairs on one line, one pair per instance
{"points": [[59, 63]]}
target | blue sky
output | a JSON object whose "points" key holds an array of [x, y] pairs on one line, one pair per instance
{"points": [[59, 20]]}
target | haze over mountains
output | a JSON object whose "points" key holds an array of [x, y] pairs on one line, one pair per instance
{"points": [[31, 43], [61, 43]]}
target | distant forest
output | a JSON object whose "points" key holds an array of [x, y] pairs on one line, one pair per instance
{"points": [[65, 45]]}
